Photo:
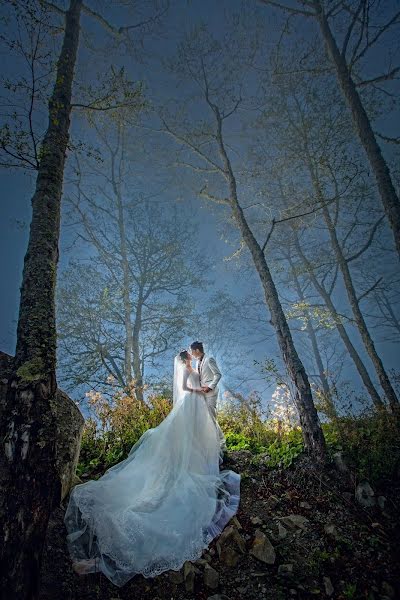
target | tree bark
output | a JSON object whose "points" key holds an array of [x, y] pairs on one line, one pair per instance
{"points": [[315, 348], [362, 125], [126, 283], [28, 432], [355, 307], [313, 436], [137, 363], [361, 368]]}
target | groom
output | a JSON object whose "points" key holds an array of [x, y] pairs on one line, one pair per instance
{"points": [[209, 379]]}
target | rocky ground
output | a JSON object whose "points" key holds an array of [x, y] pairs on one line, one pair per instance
{"points": [[298, 534]]}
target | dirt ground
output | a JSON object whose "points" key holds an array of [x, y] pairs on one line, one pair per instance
{"points": [[298, 534]]}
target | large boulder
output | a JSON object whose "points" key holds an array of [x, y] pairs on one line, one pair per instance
{"points": [[69, 422]]}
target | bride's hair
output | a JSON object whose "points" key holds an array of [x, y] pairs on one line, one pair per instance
{"points": [[197, 346], [184, 355]]}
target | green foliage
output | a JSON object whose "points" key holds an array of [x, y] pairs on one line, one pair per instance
{"points": [[370, 442]]}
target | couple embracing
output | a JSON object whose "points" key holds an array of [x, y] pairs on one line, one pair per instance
{"points": [[166, 502]]}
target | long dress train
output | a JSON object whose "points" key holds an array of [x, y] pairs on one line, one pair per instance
{"points": [[162, 505]]}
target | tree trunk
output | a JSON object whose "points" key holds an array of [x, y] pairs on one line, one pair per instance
{"points": [[137, 363], [312, 432], [28, 463], [362, 370], [314, 345], [126, 284], [362, 126], [355, 307]]}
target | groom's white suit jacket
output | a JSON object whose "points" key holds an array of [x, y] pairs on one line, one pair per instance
{"points": [[209, 373]]}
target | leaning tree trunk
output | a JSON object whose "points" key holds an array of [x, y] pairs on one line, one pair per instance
{"points": [[28, 432], [354, 303], [313, 436], [362, 126], [361, 368], [331, 409]]}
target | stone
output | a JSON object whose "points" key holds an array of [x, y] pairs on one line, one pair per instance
{"points": [[189, 572], [256, 521], [272, 502], [388, 590], [329, 589], [236, 523], [330, 529], [295, 521], [282, 531], [176, 577], [201, 562], [218, 597], [340, 463], [381, 502], [365, 495], [229, 556], [211, 577], [262, 548], [285, 569], [305, 505]]}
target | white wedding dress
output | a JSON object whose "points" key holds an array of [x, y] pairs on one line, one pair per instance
{"points": [[164, 503]]}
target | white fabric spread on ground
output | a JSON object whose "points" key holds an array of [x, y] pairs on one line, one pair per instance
{"points": [[162, 505]]}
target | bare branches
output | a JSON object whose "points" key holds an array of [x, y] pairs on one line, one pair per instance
{"points": [[290, 9], [367, 243], [369, 290]]}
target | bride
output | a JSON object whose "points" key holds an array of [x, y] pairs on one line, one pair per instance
{"points": [[164, 503]]}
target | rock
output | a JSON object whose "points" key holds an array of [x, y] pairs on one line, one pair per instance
{"points": [[228, 543], [236, 523], [285, 569], [340, 463], [229, 556], [305, 505], [189, 572], [329, 589], [282, 532], [381, 502], [331, 530], [365, 495], [176, 577], [262, 548], [388, 590], [218, 597], [295, 521], [256, 521], [211, 577], [271, 503], [200, 562]]}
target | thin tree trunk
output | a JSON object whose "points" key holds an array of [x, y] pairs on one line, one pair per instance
{"points": [[352, 296], [126, 284], [137, 363], [359, 317], [361, 368], [314, 345], [28, 432], [312, 432], [362, 126]]}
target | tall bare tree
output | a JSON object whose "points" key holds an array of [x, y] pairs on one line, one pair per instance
{"points": [[28, 432], [203, 60], [363, 31]]}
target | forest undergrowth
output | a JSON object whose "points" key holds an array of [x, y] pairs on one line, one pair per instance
{"points": [[301, 531]]}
